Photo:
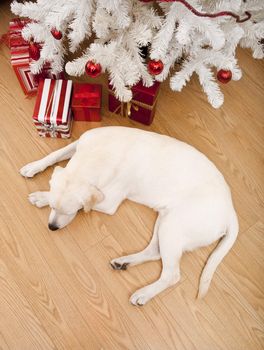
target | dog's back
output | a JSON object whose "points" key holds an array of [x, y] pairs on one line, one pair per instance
{"points": [[158, 165]]}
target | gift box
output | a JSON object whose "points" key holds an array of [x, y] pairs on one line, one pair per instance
{"points": [[86, 102], [20, 60], [52, 114], [142, 106]]}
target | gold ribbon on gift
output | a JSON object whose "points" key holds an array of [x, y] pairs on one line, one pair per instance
{"points": [[126, 107]]}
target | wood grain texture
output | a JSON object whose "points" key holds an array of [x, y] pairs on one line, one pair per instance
{"points": [[57, 290]]}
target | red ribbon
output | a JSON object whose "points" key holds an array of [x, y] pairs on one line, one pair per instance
{"points": [[87, 98], [86, 94], [212, 15]]}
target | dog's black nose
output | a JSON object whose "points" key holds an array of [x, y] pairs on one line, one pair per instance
{"points": [[53, 227]]}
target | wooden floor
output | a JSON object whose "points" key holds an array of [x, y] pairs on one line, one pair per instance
{"points": [[57, 290]]}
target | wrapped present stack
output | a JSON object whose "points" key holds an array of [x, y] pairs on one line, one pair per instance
{"points": [[142, 106], [20, 59], [59, 101]]}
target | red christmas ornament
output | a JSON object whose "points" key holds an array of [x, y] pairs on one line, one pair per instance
{"points": [[155, 67], [57, 34], [34, 51], [93, 69], [224, 76]]}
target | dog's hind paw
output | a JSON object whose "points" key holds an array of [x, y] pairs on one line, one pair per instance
{"points": [[31, 169], [116, 265], [39, 199]]}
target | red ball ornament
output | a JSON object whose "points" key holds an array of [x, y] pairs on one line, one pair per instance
{"points": [[93, 69], [57, 34], [155, 67], [34, 51], [224, 76]]}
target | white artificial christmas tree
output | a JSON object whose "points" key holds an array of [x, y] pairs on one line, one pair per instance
{"points": [[174, 31]]}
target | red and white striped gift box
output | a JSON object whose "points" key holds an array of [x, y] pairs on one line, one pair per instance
{"points": [[52, 114], [21, 60]]}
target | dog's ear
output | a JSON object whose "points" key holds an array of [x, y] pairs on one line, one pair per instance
{"points": [[95, 196], [56, 171]]}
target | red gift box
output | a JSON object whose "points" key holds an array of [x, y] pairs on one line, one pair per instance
{"points": [[52, 114], [142, 106], [20, 60], [86, 102]]}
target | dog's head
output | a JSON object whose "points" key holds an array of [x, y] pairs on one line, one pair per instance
{"points": [[67, 197]]}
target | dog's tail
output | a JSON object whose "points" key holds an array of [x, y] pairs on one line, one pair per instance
{"points": [[217, 256]]}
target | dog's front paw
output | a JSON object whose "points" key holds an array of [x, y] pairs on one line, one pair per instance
{"points": [[31, 169], [119, 264], [140, 297], [39, 199]]}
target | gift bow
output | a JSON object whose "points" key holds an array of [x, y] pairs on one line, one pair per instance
{"points": [[50, 128], [126, 107]]}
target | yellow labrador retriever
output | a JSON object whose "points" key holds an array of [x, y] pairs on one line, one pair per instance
{"points": [[110, 164]]}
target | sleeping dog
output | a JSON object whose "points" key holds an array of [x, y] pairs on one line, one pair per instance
{"points": [[110, 164]]}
